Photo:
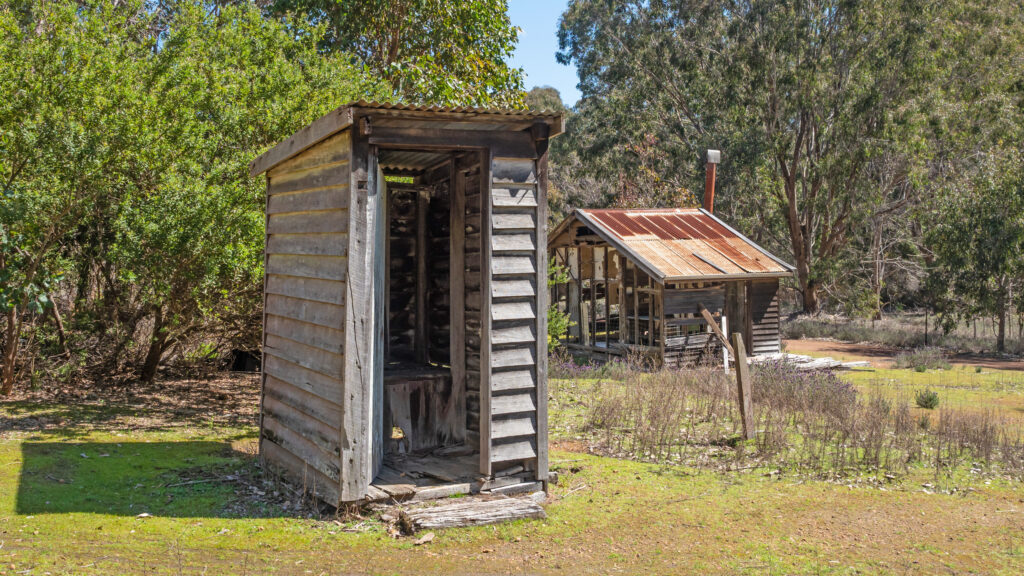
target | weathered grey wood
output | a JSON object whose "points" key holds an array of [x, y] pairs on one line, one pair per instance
{"points": [[521, 197], [511, 143], [513, 265], [299, 473], [520, 488], [323, 436], [513, 403], [690, 301], [443, 491], [509, 427], [516, 450], [542, 319], [743, 384], [303, 448], [486, 195], [513, 287], [513, 311], [335, 198], [356, 430], [513, 242], [308, 244], [326, 291], [470, 512], [330, 221], [717, 331], [312, 405], [333, 150], [514, 221], [329, 176], [514, 170], [513, 357], [319, 313], [321, 129], [321, 385], [513, 380], [323, 267], [520, 334], [420, 340], [322, 337], [309, 357]]}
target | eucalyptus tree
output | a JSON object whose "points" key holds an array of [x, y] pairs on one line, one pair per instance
{"points": [[799, 94]]}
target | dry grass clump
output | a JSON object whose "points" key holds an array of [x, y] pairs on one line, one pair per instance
{"points": [[921, 359], [811, 421]]}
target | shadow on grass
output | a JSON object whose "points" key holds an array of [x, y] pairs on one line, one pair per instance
{"points": [[201, 479]]}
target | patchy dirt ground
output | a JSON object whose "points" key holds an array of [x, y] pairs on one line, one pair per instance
{"points": [[881, 356]]}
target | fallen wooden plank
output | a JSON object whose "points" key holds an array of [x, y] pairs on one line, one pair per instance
{"points": [[521, 488], [469, 512], [442, 491]]}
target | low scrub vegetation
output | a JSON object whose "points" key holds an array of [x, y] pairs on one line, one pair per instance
{"points": [[810, 422], [906, 331], [920, 359]]}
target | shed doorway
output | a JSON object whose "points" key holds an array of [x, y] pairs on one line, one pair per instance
{"points": [[431, 332]]}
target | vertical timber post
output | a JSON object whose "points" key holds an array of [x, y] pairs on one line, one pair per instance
{"points": [[743, 386]]}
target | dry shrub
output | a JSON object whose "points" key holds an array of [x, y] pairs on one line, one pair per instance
{"points": [[811, 421]]}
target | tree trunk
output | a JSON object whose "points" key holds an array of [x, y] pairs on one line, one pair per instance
{"points": [[810, 293], [10, 354], [157, 345], [1001, 335], [61, 334]]}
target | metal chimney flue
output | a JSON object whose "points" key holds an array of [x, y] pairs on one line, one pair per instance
{"points": [[714, 156]]}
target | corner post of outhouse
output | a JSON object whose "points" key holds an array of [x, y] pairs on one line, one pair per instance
{"points": [[541, 132]]}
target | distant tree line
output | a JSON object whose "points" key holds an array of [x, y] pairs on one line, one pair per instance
{"points": [[130, 232], [875, 144]]}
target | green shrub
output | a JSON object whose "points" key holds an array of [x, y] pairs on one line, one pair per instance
{"points": [[927, 399]]}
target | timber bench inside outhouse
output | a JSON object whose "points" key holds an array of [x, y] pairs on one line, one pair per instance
{"points": [[404, 318]]}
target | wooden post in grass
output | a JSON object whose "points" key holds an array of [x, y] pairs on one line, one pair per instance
{"points": [[743, 386]]}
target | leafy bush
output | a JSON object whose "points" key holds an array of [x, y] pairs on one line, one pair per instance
{"points": [[922, 359], [927, 399]]}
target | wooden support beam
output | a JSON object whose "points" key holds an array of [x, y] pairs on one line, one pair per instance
{"points": [[716, 330], [420, 339], [743, 386]]}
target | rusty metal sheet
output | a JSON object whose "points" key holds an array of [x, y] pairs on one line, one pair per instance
{"points": [[685, 243]]}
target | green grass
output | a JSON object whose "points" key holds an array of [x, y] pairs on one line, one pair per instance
{"points": [[62, 513], [959, 387]]}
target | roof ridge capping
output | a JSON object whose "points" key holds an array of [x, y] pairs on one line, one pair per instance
{"points": [[343, 116]]}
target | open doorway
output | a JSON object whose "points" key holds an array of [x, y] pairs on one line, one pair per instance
{"points": [[432, 276]]}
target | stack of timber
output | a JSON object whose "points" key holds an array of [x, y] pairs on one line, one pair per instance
{"points": [[801, 362]]}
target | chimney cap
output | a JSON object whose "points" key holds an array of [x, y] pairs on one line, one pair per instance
{"points": [[714, 156]]}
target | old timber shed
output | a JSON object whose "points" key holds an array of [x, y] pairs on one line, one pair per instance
{"points": [[650, 283], [404, 332]]}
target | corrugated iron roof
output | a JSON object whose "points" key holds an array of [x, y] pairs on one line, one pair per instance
{"points": [[451, 109], [682, 244]]}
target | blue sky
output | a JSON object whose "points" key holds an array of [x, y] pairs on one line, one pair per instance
{"points": [[538, 43]]}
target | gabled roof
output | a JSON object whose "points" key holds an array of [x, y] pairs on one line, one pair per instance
{"points": [[466, 117], [677, 244]]}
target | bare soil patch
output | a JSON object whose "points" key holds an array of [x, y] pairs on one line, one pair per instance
{"points": [[882, 356]]}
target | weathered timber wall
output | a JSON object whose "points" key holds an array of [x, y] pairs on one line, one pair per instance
{"points": [[303, 347]]}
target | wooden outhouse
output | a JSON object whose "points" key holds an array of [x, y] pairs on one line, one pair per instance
{"points": [[404, 333], [651, 282]]}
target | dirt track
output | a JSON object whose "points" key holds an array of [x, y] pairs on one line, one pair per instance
{"points": [[881, 356]]}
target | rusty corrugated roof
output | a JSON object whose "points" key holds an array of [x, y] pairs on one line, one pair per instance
{"points": [[683, 244]]}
